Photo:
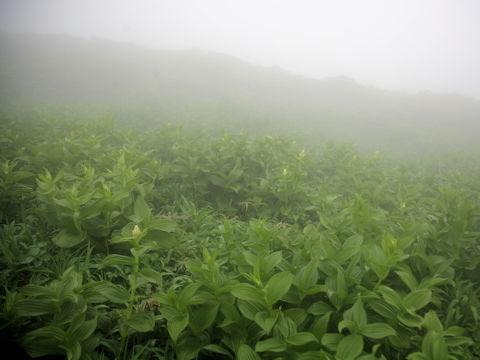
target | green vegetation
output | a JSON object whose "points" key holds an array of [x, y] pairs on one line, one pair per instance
{"points": [[172, 243]]}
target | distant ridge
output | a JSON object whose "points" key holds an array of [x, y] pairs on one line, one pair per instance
{"points": [[57, 70]]}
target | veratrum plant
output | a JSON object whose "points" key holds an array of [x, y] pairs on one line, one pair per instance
{"points": [[355, 320], [14, 188], [437, 341], [58, 311], [145, 235], [90, 206], [327, 253]]}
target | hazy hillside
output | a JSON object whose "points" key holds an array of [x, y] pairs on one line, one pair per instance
{"points": [[193, 85]]}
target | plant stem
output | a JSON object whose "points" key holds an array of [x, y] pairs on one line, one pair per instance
{"points": [[133, 288]]}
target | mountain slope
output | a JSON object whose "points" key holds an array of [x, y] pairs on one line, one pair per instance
{"points": [[45, 70]]}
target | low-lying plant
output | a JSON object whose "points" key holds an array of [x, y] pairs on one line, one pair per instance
{"points": [[161, 245]]}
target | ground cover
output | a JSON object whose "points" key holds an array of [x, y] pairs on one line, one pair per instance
{"points": [[167, 243]]}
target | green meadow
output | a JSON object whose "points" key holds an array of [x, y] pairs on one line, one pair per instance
{"points": [[166, 241]]}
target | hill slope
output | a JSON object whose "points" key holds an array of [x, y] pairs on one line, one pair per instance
{"points": [[45, 70]]}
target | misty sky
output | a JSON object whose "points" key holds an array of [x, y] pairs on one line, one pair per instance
{"points": [[396, 44]]}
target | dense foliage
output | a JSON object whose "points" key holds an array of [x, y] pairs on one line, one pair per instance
{"points": [[168, 243]]}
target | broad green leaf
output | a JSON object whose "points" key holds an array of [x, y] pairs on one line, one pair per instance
{"points": [[307, 276], [231, 314], [417, 299], [349, 324], [218, 349], [187, 293], [349, 347], [245, 352], [166, 225], [367, 357], [92, 210], [250, 309], [68, 239], [342, 290], [203, 317], [301, 338], [377, 330], [346, 253], [33, 307], [52, 332], [298, 315], [158, 240], [430, 282], [378, 261], [142, 321], [272, 344], [331, 340], [73, 350], [315, 289], [250, 258], [188, 348], [272, 260], [359, 315], [408, 279], [314, 355], [383, 308], [325, 249], [452, 330], [115, 259], [141, 210], [402, 340], [120, 195], [19, 175], [164, 298], [319, 308], [247, 292], [9, 300], [391, 296], [127, 230], [38, 291], [410, 319], [42, 346], [85, 330], [202, 297], [353, 241], [90, 293], [114, 293], [459, 341], [176, 325], [152, 276], [336, 288], [320, 325], [118, 240], [266, 321], [169, 312], [417, 356], [277, 286], [431, 322], [434, 346], [287, 326]]}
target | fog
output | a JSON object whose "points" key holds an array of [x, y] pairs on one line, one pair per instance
{"points": [[411, 45], [391, 76], [240, 179]]}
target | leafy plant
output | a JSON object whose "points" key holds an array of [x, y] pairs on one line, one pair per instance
{"points": [[156, 242]]}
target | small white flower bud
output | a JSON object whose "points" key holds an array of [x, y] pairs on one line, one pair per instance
{"points": [[136, 231]]}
